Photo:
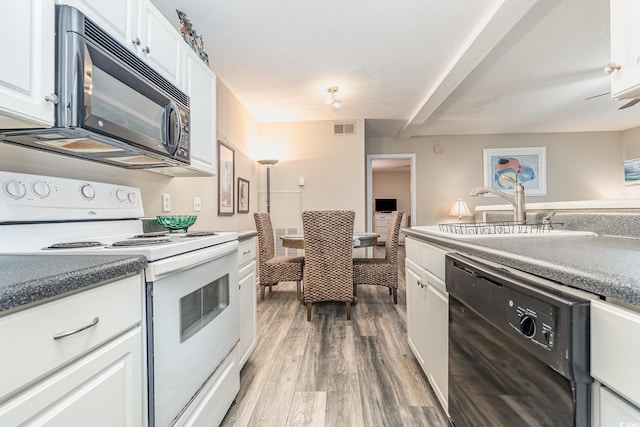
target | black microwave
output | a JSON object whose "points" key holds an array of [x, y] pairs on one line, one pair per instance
{"points": [[111, 107]]}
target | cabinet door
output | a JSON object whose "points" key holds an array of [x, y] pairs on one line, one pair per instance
{"points": [[247, 312], [416, 306], [437, 345], [201, 88], [625, 48], [119, 18], [103, 388], [28, 51], [162, 46]]}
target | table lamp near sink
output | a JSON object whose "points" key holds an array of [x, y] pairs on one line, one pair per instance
{"points": [[460, 209]]}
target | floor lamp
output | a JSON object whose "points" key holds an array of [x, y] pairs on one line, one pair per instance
{"points": [[268, 163]]}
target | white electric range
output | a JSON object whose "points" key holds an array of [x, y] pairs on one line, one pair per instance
{"points": [[191, 295]]}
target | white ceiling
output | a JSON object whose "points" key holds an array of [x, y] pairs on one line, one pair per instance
{"points": [[416, 67]]}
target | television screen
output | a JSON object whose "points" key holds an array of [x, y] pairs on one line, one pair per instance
{"points": [[386, 205]]}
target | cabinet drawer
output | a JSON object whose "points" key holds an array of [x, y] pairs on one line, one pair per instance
{"points": [[28, 336], [246, 251], [429, 257], [615, 348]]}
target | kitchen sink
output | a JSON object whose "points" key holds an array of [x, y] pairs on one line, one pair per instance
{"points": [[485, 231]]}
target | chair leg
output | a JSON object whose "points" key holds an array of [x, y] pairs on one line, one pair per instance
{"points": [[395, 295], [348, 310], [298, 290], [389, 291], [355, 289], [270, 287], [262, 285], [309, 304]]}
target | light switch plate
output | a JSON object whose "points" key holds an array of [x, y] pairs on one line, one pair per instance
{"points": [[166, 202], [197, 204]]}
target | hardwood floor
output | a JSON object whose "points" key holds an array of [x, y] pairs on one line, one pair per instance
{"points": [[331, 371]]}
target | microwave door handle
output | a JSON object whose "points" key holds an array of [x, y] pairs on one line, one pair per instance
{"points": [[172, 143], [87, 82]]}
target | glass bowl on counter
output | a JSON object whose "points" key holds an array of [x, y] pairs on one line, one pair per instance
{"points": [[176, 222]]}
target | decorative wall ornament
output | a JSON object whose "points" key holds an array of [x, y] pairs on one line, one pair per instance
{"points": [[191, 36]]}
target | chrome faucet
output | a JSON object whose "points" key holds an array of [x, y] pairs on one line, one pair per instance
{"points": [[517, 200]]}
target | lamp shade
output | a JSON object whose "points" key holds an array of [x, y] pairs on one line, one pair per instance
{"points": [[460, 209]]}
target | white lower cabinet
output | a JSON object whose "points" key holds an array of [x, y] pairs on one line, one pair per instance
{"points": [[428, 313], [76, 361], [614, 364], [103, 388], [248, 319]]}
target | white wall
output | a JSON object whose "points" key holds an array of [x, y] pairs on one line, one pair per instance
{"points": [[580, 166], [333, 167], [234, 125]]}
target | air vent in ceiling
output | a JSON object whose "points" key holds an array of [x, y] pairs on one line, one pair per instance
{"points": [[344, 128]]}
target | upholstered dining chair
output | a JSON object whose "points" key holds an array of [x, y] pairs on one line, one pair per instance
{"points": [[328, 257], [273, 269], [381, 271]]}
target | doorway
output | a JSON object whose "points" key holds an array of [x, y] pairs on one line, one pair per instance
{"points": [[397, 166]]}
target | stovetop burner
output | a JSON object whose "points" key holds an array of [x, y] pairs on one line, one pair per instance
{"points": [[200, 233], [150, 235], [142, 242], [74, 245]]}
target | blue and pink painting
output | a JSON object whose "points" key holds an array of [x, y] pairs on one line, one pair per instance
{"points": [[508, 169]]}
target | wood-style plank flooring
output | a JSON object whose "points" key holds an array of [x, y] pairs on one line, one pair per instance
{"points": [[331, 371]]}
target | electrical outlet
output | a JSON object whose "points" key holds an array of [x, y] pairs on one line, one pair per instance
{"points": [[197, 204], [166, 202]]}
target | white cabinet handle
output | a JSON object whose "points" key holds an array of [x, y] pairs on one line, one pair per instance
{"points": [[136, 41], [146, 50], [52, 98], [611, 67], [248, 251], [420, 283], [93, 323]]}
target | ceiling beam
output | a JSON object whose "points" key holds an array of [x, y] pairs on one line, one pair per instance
{"points": [[488, 35]]}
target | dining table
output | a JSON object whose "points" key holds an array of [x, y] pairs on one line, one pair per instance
{"points": [[360, 240]]}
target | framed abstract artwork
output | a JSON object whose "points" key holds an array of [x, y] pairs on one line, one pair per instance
{"points": [[226, 171], [503, 167]]}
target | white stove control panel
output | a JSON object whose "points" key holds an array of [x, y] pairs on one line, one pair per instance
{"points": [[35, 198]]}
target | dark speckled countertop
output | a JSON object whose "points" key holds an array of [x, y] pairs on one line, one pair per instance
{"points": [[27, 280], [604, 265]]}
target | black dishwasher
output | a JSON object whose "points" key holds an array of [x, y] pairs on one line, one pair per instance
{"points": [[518, 348]]}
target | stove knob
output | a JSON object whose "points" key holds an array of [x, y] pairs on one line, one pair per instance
{"points": [[121, 195], [133, 197], [41, 189], [15, 189], [88, 192], [528, 326]]}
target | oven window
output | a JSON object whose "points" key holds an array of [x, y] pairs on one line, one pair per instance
{"points": [[203, 305]]}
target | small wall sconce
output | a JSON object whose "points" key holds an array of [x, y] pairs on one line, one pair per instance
{"points": [[460, 209], [301, 181]]}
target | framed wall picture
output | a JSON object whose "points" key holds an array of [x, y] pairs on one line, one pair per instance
{"points": [[243, 195], [226, 171], [527, 165]]}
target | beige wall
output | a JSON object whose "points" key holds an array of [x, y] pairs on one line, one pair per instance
{"points": [[234, 125], [393, 185], [580, 166], [333, 167]]}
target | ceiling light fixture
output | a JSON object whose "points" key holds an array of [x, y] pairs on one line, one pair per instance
{"points": [[333, 101]]}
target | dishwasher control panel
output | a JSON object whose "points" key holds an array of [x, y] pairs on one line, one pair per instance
{"points": [[531, 318]]}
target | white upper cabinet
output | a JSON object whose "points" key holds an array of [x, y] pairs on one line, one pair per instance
{"points": [[139, 26], [27, 76], [119, 18], [201, 88], [625, 49], [161, 45]]}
